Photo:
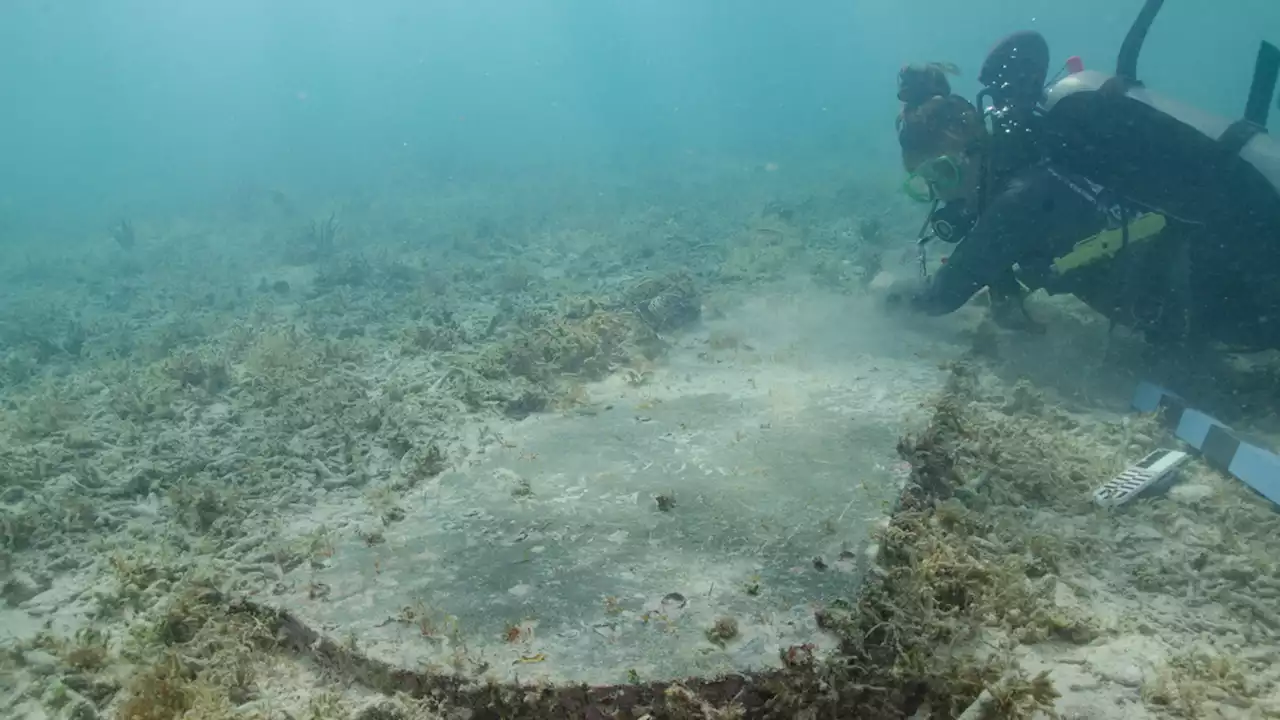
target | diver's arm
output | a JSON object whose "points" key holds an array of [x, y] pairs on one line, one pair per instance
{"points": [[986, 255]]}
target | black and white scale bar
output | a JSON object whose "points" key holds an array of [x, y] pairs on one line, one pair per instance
{"points": [[1221, 446]]}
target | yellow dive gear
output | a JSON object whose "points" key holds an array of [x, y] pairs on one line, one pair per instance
{"points": [[1107, 243]]}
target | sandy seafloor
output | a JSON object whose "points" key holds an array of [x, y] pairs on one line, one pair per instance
{"points": [[221, 409]]}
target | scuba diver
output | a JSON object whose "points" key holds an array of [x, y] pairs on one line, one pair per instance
{"points": [[1161, 218]]}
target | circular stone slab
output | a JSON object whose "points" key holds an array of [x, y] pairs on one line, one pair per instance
{"points": [[686, 527]]}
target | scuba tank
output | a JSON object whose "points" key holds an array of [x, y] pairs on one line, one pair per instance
{"points": [[1113, 130], [1147, 148]]}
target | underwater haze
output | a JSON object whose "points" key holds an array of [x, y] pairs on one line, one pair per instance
{"points": [[145, 104], [493, 359]]}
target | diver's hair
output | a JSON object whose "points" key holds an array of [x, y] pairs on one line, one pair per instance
{"points": [[919, 83], [939, 125]]}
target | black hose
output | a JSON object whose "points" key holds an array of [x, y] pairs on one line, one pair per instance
{"points": [[1266, 71], [1127, 62]]}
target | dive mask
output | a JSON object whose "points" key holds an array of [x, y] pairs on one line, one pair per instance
{"points": [[941, 174]]}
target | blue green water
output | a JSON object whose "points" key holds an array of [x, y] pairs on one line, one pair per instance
{"points": [[275, 273], [141, 104]]}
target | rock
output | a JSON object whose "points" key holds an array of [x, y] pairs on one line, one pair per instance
{"points": [[80, 709], [882, 280], [1122, 673], [267, 571], [379, 710], [81, 438], [1264, 656], [97, 689], [21, 587], [40, 662], [336, 482], [1143, 531], [1190, 493], [13, 494]]}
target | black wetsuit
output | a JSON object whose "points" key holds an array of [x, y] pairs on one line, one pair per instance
{"points": [[1174, 285]]}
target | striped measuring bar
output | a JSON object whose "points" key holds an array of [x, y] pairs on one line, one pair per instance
{"points": [[1223, 448]]}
